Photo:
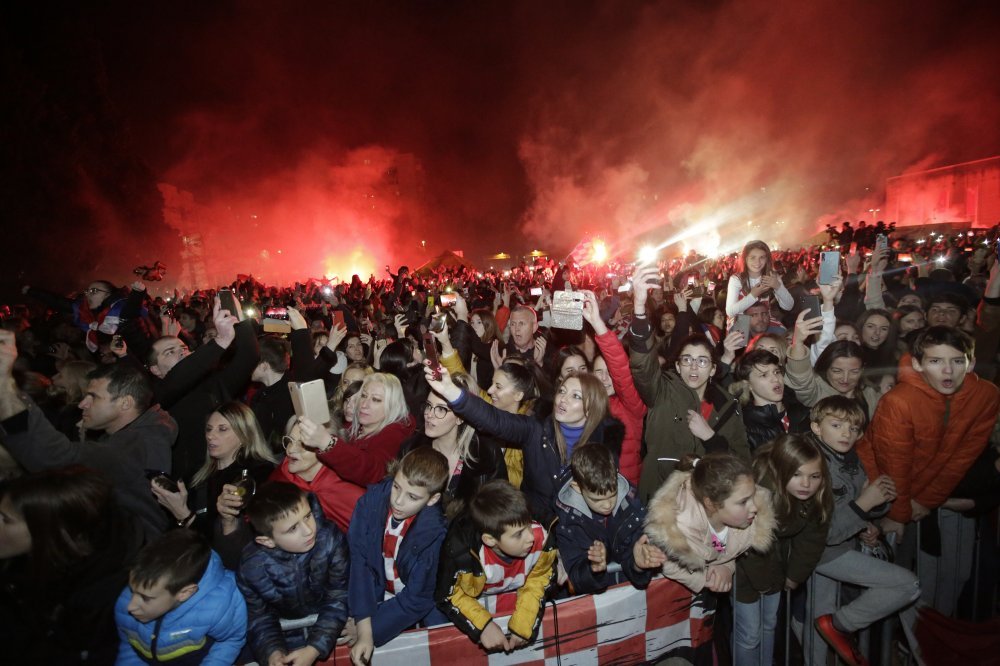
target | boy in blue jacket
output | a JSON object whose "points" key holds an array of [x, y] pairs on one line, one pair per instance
{"points": [[296, 567], [395, 536], [601, 521], [181, 606]]}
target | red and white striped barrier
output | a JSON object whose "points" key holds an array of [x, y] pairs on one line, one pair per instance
{"points": [[622, 626]]}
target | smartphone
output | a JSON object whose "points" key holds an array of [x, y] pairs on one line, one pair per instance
{"points": [[227, 300], [338, 319], [829, 267], [536, 291], [810, 302], [741, 323], [309, 400], [431, 353], [448, 299], [904, 257], [162, 480], [567, 310], [276, 321], [881, 242], [117, 342]]}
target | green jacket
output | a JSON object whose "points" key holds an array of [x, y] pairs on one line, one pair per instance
{"points": [[800, 540], [669, 399]]}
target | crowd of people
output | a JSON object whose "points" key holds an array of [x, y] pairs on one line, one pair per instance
{"points": [[745, 425]]}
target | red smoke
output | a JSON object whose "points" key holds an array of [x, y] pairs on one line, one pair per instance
{"points": [[354, 133]]}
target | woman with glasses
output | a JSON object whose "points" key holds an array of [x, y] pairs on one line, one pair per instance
{"points": [[472, 460], [688, 412], [578, 416], [513, 388], [302, 468], [235, 449], [704, 417]]}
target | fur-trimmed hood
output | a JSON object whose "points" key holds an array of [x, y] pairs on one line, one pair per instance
{"points": [[677, 523]]}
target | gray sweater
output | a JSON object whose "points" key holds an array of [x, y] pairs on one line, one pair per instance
{"points": [[123, 457]]}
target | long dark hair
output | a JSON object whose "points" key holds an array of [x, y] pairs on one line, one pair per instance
{"points": [[837, 349], [69, 513], [744, 273]]}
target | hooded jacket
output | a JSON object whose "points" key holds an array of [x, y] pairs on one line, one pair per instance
{"points": [[669, 399], [278, 584], [337, 497], [209, 628], [578, 528], [416, 563], [462, 579], [677, 524], [927, 441]]}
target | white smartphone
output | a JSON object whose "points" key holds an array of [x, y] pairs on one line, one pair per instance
{"points": [[309, 400]]}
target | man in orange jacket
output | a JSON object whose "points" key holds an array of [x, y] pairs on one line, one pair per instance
{"points": [[926, 433]]}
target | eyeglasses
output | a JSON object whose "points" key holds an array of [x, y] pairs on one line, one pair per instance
{"points": [[286, 442], [701, 361], [94, 290], [439, 411]]}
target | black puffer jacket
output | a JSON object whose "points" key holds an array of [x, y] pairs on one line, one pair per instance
{"points": [[765, 423]]}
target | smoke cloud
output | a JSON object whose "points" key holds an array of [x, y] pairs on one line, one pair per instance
{"points": [[348, 135]]}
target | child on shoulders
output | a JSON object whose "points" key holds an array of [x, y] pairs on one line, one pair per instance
{"points": [[181, 605], [601, 520], [295, 567], [496, 547], [395, 537]]}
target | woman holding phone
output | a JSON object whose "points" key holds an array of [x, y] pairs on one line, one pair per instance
{"points": [[380, 425]]}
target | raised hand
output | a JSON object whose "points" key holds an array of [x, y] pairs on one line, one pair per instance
{"points": [[337, 335], [225, 323], [497, 355], [296, 320], [804, 328]]}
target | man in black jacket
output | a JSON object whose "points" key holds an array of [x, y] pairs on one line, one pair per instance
{"points": [[192, 385]]}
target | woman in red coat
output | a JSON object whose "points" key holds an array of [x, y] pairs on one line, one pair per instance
{"points": [[380, 425], [302, 468], [611, 367]]}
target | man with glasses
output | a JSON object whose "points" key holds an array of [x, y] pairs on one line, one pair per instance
{"points": [[97, 310]]}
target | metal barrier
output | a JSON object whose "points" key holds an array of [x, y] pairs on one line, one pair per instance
{"points": [[882, 630]]}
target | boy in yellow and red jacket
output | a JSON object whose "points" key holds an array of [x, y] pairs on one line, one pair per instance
{"points": [[494, 548]]}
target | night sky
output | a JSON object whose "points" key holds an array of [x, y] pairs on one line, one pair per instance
{"points": [[343, 134]]}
